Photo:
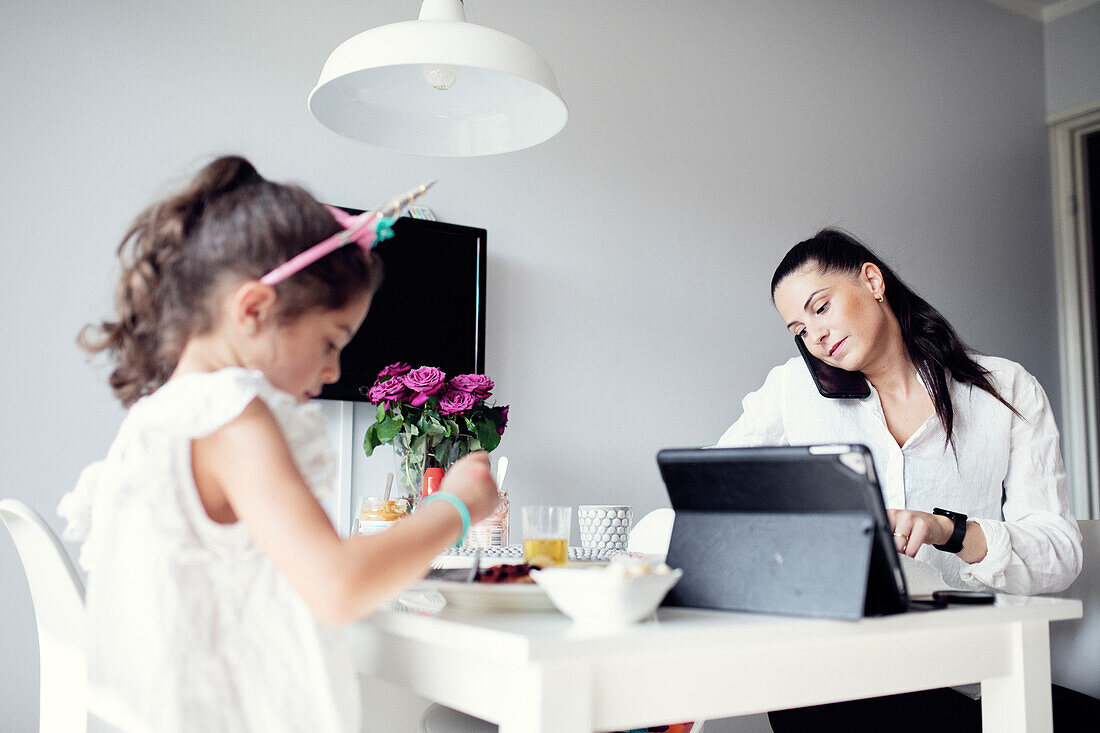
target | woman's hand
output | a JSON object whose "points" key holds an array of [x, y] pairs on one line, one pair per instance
{"points": [[913, 529], [470, 480]]}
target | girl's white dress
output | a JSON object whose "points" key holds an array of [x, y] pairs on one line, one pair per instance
{"points": [[191, 628]]}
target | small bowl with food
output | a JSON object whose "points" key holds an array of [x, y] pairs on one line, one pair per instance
{"points": [[626, 591]]}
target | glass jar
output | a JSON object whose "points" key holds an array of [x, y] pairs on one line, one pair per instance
{"points": [[493, 530], [377, 515]]}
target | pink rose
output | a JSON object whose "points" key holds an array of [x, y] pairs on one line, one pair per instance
{"points": [[478, 385], [454, 401], [503, 420], [395, 370], [425, 381], [389, 390]]}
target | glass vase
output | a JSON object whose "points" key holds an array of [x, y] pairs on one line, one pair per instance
{"points": [[413, 454], [410, 458]]}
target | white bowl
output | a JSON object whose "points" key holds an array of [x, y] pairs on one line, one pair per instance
{"points": [[594, 597]]}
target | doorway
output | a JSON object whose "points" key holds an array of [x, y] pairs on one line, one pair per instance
{"points": [[1075, 156]]}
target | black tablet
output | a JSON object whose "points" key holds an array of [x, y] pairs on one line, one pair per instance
{"points": [[798, 530]]}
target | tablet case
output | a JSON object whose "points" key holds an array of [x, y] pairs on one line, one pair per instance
{"points": [[792, 530], [801, 564]]}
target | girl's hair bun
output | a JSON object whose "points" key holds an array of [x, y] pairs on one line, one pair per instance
{"points": [[227, 225]]}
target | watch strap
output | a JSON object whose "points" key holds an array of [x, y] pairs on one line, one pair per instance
{"points": [[955, 544]]}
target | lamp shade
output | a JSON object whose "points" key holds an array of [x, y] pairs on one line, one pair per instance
{"points": [[439, 86]]}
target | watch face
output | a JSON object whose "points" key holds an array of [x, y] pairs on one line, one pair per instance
{"points": [[955, 544], [948, 513]]}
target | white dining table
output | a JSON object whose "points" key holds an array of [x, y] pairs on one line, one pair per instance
{"points": [[536, 672]]}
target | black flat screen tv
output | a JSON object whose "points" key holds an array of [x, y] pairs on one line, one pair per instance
{"points": [[429, 310]]}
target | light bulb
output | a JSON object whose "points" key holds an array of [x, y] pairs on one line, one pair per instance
{"points": [[440, 76]]}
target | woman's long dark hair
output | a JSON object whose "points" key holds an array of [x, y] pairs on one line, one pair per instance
{"points": [[933, 345]]}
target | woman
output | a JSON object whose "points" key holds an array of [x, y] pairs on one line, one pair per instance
{"points": [[965, 446]]}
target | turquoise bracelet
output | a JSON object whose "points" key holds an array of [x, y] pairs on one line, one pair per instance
{"points": [[457, 504]]}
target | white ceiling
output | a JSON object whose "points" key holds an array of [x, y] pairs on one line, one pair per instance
{"points": [[1043, 11]]}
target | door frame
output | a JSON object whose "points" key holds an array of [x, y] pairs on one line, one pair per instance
{"points": [[1076, 307]]}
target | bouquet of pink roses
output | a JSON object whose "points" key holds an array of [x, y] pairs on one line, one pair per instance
{"points": [[429, 418]]}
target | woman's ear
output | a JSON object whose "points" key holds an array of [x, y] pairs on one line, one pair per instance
{"points": [[252, 307], [871, 277]]}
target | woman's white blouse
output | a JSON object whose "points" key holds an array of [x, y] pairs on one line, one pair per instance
{"points": [[191, 628], [1005, 473]]}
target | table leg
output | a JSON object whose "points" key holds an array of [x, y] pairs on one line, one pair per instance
{"points": [[553, 697], [1020, 701]]}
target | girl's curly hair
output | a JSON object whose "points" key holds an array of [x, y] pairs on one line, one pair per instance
{"points": [[229, 224]]}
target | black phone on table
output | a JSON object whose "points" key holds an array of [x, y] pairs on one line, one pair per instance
{"points": [[832, 381], [944, 598]]}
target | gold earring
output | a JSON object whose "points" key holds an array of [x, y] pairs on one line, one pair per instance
{"points": [[878, 297]]}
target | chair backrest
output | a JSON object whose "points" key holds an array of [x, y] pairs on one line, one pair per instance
{"points": [[651, 533], [1075, 645], [58, 597]]}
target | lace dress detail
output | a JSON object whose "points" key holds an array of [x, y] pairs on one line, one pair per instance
{"points": [[190, 626]]}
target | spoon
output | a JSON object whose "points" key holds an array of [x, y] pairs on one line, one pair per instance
{"points": [[389, 485], [477, 564], [502, 471]]}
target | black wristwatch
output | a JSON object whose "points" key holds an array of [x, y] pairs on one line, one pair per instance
{"points": [[955, 544]]}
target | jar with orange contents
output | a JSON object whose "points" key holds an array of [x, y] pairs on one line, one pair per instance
{"points": [[376, 515]]}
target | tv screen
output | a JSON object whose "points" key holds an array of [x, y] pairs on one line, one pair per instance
{"points": [[429, 310]]}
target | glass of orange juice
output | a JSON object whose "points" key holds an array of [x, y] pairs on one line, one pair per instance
{"points": [[546, 535]]}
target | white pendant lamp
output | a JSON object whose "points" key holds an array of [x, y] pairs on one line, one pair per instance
{"points": [[439, 86]]}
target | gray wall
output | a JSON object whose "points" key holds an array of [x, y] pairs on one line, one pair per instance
{"points": [[629, 256], [1073, 60]]}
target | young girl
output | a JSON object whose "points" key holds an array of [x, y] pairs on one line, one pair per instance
{"points": [[210, 561]]}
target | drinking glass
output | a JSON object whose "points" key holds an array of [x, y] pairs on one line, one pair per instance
{"points": [[546, 535]]}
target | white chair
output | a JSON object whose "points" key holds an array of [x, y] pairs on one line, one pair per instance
{"points": [[650, 535], [58, 597], [1075, 645]]}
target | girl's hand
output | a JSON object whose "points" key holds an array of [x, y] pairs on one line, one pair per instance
{"points": [[913, 529], [470, 480]]}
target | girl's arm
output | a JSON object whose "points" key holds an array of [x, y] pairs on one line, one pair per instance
{"points": [[249, 462]]}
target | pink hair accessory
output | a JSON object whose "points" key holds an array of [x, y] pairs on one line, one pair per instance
{"points": [[366, 230]]}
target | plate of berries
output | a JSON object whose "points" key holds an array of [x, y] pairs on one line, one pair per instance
{"points": [[504, 587]]}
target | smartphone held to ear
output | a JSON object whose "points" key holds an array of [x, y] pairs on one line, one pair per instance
{"points": [[832, 381]]}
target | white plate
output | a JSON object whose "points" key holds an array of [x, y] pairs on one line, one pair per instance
{"points": [[489, 596], [428, 603]]}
